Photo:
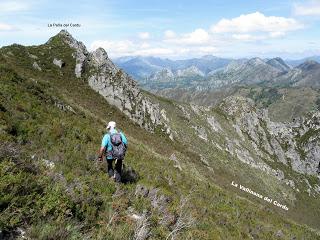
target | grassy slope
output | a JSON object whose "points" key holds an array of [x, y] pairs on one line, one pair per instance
{"points": [[221, 167], [35, 197]]}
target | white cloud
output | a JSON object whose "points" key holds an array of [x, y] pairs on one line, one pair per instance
{"points": [[6, 27], [129, 48], [159, 49], [144, 35], [198, 36], [169, 34], [207, 49], [276, 34], [246, 37], [145, 45], [13, 6], [312, 8], [256, 22], [154, 52], [115, 47]]}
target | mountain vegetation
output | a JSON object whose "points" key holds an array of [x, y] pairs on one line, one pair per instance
{"points": [[55, 100]]}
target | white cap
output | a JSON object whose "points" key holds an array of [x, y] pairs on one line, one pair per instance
{"points": [[111, 125]]}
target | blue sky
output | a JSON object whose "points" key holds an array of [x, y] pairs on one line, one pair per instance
{"points": [[175, 29]]}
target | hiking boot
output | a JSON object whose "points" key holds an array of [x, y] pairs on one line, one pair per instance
{"points": [[117, 176], [111, 173]]}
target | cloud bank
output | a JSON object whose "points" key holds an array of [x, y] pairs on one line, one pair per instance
{"points": [[252, 27], [311, 8]]}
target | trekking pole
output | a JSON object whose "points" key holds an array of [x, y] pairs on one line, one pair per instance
{"points": [[122, 163]]}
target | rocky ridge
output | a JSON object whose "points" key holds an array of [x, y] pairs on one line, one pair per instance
{"points": [[114, 85]]}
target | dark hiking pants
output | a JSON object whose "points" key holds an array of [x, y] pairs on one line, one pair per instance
{"points": [[116, 170]]}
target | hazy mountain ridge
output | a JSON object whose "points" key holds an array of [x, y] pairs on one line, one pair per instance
{"points": [[211, 72], [151, 65], [297, 62], [75, 89], [208, 72]]}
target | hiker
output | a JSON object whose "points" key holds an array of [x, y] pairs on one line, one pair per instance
{"points": [[114, 144]]}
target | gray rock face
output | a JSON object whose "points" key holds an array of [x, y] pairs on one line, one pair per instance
{"points": [[121, 91], [33, 56], [185, 112], [64, 107], [201, 132], [238, 151], [190, 72], [141, 191], [36, 66], [164, 75], [215, 126], [295, 143], [58, 62], [177, 164], [278, 151]]}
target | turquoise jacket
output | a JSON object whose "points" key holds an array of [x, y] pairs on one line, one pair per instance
{"points": [[106, 142]]}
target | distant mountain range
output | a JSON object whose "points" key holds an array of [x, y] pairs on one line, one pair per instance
{"points": [[273, 72], [154, 73], [143, 67], [211, 72]]}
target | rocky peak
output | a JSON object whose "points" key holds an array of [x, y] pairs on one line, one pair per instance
{"points": [[309, 65], [63, 34], [164, 75], [256, 61], [100, 58], [166, 71], [190, 71], [100, 55], [80, 53], [68, 39], [279, 64], [66, 35], [234, 65]]}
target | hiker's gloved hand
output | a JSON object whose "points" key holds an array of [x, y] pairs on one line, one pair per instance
{"points": [[100, 159]]}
